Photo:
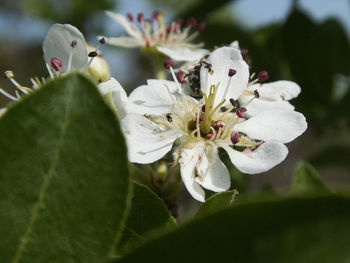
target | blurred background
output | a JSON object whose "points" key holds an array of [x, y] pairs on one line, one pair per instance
{"points": [[305, 41]]}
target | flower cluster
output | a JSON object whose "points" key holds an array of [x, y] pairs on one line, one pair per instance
{"points": [[214, 103]]}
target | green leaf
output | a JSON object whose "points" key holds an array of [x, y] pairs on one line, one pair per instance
{"points": [[64, 176], [306, 180], [147, 213], [299, 230], [216, 203]]}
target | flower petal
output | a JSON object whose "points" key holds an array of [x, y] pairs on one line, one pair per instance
{"points": [[222, 60], [256, 105], [154, 98], [188, 161], [183, 53], [58, 44], [126, 42], [213, 173], [280, 125], [146, 141], [278, 90], [130, 28], [268, 155], [120, 99]]}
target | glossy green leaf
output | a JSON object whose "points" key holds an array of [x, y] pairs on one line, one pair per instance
{"points": [[147, 213], [216, 203], [300, 230], [306, 180], [64, 176]]}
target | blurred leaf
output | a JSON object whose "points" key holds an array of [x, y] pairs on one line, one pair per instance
{"points": [[75, 12], [216, 203], [201, 9], [306, 180], [64, 176], [332, 155], [290, 230], [315, 53], [147, 212]]}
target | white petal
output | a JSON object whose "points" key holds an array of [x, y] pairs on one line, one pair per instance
{"points": [[280, 125], [278, 90], [258, 105], [129, 27], [213, 173], [188, 161], [235, 44], [268, 155], [154, 98], [126, 42], [222, 60], [146, 141], [57, 44], [183, 53], [120, 99]]}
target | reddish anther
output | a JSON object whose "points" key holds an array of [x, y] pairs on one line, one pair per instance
{"points": [[56, 64], [140, 17], [232, 72], [201, 26], [203, 108], [263, 76], [244, 51], [240, 112], [168, 63], [180, 76], [191, 21], [234, 137], [130, 17], [155, 15]]}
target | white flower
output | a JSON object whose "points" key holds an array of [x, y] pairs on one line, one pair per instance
{"points": [[157, 114], [153, 35], [65, 50]]}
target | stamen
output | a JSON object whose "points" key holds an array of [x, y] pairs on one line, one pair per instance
{"points": [[263, 76], [92, 54], [256, 94], [180, 76], [233, 102], [244, 51], [168, 63], [155, 15], [50, 71], [130, 17], [56, 64], [140, 17], [240, 112], [201, 26], [73, 43], [235, 137], [102, 41], [197, 123], [231, 72], [191, 22]]}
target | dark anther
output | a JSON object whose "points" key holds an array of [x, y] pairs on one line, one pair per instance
{"points": [[168, 63], [256, 94], [73, 44], [92, 54], [231, 72], [168, 117], [102, 40]]}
